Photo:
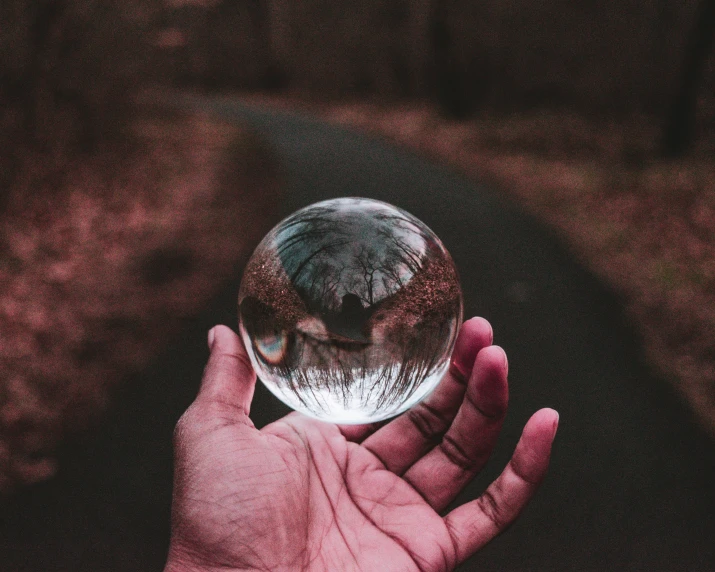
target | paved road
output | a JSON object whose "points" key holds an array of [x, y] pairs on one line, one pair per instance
{"points": [[632, 483]]}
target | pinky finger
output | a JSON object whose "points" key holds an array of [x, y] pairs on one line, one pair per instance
{"points": [[474, 524]]}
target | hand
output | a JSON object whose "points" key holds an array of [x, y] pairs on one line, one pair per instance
{"points": [[305, 495]]}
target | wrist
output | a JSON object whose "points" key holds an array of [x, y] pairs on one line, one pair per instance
{"points": [[179, 566], [176, 567], [173, 566], [178, 561]]}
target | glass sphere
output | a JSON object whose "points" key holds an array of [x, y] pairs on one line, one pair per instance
{"points": [[349, 310]]}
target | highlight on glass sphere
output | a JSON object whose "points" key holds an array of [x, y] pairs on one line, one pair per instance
{"points": [[349, 310]]}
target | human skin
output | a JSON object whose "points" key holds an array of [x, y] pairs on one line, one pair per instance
{"points": [[306, 495]]}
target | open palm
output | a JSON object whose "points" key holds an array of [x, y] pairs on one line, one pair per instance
{"points": [[305, 495]]}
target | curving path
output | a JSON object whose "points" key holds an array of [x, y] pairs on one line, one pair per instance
{"points": [[632, 479]]}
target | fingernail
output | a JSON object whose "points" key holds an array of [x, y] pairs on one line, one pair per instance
{"points": [[556, 424], [458, 371], [212, 337], [506, 361]]}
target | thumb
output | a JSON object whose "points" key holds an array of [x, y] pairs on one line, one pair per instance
{"points": [[229, 377]]}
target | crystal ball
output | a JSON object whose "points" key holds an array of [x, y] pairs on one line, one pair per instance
{"points": [[349, 310]]}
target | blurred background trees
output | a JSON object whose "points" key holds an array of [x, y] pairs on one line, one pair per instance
{"points": [[609, 57]]}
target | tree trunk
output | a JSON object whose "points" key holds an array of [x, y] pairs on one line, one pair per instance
{"points": [[679, 129]]}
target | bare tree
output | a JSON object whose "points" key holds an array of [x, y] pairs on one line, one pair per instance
{"points": [[368, 262]]}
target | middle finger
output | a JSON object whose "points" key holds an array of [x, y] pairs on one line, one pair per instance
{"points": [[404, 440]]}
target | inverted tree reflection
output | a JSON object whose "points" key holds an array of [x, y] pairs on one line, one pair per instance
{"points": [[352, 303]]}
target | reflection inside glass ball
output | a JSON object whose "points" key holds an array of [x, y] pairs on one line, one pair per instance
{"points": [[349, 310]]}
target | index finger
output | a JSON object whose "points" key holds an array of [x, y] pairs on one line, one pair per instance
{"points": [[405, 439]]}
